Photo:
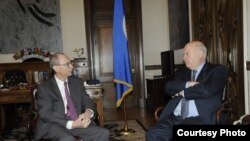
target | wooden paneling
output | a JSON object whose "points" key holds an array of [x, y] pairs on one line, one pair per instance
{"points": [[106, 50], [218, 23], [178, 23], [105, 8]]}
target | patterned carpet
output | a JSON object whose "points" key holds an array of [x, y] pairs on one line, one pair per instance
{"points": [[114, 126], [16, 135]]}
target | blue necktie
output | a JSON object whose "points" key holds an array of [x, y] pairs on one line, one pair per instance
{"points": [[184, 102], [71, 112]]}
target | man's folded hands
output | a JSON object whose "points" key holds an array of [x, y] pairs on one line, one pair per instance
{"points": [[83, 120], [192, 83]]}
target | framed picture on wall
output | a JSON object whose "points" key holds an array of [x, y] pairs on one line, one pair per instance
{"points": [[30, 24]]}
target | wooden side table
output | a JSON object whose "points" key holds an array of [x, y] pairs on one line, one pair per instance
{"points": [[11, 97], [99, 107], [96, 93]]}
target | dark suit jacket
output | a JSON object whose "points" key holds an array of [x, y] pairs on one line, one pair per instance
{"points": [[50, 103], [207, 94]]}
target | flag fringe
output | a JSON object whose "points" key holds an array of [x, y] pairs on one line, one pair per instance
{"points": [[118, 103]]}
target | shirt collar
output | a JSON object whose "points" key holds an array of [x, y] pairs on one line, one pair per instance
{"points": [[198, 69], [60, 82]]}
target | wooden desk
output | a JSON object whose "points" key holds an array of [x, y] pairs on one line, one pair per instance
{"points": [[12, 97], [19, 96]]}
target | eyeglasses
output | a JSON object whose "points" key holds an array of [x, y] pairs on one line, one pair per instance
{"points": [[66, 64]]}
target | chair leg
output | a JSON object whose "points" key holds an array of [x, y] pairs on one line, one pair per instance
{"points": [[29, 134]]}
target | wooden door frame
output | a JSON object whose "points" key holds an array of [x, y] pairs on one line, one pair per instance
{"points": [[139, 63]]}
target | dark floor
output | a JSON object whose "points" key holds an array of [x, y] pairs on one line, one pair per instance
{"points": [[142, 115]]}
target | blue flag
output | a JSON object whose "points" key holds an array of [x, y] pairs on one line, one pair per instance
{"points": [[122, 69]]}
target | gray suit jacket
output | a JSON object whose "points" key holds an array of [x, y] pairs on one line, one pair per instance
{"points": [[50, 104], [207, 94]]}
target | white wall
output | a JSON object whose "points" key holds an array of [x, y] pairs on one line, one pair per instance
{"points": [[246, 36], [155, 33], [73, 26]]}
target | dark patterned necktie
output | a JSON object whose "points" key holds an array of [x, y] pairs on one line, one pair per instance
{"points": [[184, 102], [71, 112]]}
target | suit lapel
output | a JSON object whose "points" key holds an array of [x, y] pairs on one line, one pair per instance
{"points": [[56, 88], [57, 92], [72, 90], [202, 73]]}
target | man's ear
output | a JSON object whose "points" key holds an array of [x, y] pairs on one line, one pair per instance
{"points": [[54, 68], [201, 53]]}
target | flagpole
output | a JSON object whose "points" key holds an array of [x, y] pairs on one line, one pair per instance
{"points": [[122, 68], [126, 130]]}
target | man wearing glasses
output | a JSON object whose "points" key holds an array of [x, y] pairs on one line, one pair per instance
{"points": [[64, 107]]}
